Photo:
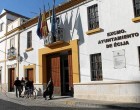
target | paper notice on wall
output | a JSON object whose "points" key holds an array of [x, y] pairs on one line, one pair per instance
{"points": [[119, 59]]}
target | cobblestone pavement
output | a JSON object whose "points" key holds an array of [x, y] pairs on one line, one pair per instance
{"points": [[60, 103]]}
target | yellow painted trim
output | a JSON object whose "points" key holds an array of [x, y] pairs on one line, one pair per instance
{"points": [[31, 67], [2, 61], [72, 45], [29, 49], [55, 43], [136, 19], [93, 31]]}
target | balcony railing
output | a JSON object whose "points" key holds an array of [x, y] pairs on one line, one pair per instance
{"points": [[59, 34], [11, 53], [58, 38]]}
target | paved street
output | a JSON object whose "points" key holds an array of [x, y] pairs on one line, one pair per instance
{"points": [[10, 102]]}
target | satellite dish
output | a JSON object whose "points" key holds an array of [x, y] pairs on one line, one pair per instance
{"points": [[25, 55]]}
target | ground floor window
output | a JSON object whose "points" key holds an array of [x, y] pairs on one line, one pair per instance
{"points": [[139, 54], [0, 76], [96, 67]]}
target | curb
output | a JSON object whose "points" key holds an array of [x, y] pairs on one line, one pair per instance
{"points": [[109, 106]]}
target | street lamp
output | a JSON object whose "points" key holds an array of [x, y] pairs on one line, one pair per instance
{"points": [[12, 49]]}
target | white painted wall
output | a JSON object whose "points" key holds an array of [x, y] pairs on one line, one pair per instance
{"points": [[5, 45], [32, 55], [113, 15], [3, 20]]}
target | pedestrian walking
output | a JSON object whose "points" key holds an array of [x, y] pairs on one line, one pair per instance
{"points": [[22, 84], [27, 84], [49, 90], [31, 86], [17, 84]]}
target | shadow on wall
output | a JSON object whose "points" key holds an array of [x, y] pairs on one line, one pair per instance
{"points": [[79, 29], [72, 30]]}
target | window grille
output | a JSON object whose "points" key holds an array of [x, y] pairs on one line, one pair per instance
{"points": [[12, 42], [29, 39], [136, 7], [1, 26], [96, 67], [93, 18]]}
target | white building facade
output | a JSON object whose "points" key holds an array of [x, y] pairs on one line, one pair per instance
{"points": [[96, 54]]}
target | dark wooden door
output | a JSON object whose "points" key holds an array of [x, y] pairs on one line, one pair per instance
{"points": [[53, 70], [66, 74], [55, 73], [30, 74], [11, 75], [70, 73]]}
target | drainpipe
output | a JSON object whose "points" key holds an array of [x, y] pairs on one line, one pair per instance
{"points": [[18, 53], [5, 58]]}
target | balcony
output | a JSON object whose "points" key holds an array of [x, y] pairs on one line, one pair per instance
{"points": [[50, 41], [11, 53]]}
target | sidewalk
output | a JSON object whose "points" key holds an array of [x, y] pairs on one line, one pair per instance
{"points": [[65, 101]]}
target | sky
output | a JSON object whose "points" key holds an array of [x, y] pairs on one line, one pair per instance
{"points": [[28, 8]]}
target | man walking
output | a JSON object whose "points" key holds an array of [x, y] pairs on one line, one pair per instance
{"points": [[22, 84], [49, 89], [17, 83]]}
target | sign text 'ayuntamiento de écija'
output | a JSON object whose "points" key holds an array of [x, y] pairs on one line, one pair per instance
{"points": [[117, 40]]}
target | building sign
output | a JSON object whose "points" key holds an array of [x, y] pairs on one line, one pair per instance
{"points": [[117, 41], [119, 59]]}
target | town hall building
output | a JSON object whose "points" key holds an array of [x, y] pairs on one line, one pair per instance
{"points": [[95, 53]]}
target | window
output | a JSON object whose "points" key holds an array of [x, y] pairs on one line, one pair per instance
{"points": [[136, 7], [29, 39], [0, 75], [58, 21], [96, 67], [1, 26], [93, 19], [139, 55], [12, 42]]}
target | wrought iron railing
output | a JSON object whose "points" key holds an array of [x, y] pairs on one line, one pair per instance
{"points": [[59, 36], [11, 53]]}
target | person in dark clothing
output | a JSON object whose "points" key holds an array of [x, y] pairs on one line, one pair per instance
{"points": [[17, 83], [27, 87], [27, 84], [22, 84], [31, 86], [49, 89]]}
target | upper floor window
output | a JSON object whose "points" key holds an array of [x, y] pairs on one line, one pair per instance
{"points": [[1, 26], [12, 42], [58, 21], [96, 67], [136, 7], [93, 18], [139, 54], [29, 39]]}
